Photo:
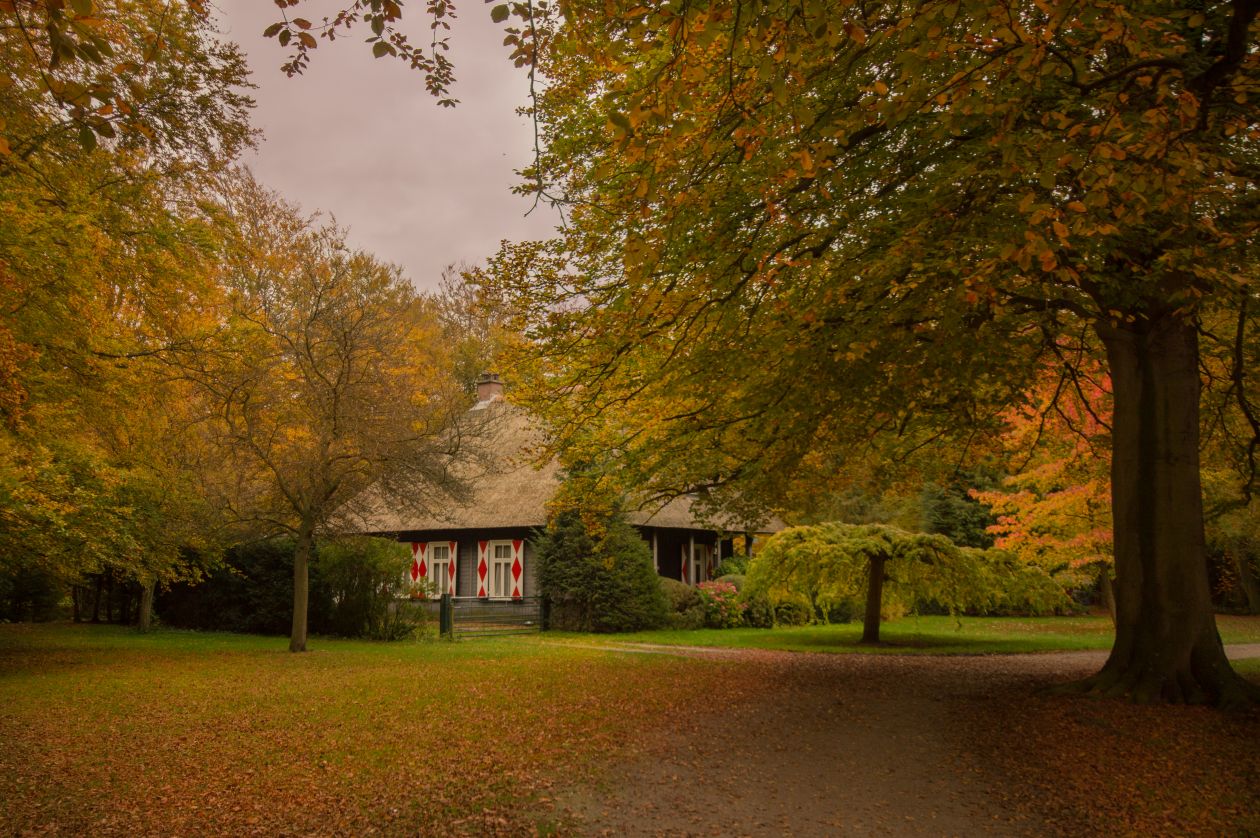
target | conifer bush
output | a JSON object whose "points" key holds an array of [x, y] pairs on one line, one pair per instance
{"points": [[597, 574]]}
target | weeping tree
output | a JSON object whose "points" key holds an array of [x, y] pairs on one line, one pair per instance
{"points": [[834, 563]]}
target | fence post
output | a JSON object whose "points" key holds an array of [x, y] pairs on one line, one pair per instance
{"points": [[446, 617]]}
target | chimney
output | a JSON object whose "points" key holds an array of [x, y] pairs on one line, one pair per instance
{"points": [[489, 387]]}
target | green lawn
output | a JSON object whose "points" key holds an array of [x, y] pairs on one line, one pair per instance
{"points": [[929, 635]]}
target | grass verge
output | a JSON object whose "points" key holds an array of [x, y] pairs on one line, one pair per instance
{"points": [[928, 635]]}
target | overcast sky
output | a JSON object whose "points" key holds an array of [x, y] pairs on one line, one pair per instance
{"points": [[418, 185]]}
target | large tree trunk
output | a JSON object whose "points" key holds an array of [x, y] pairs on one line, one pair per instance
{"points": [[1108, 592], [874, 601], [301, 585], [1167, 647], [145, 619]]}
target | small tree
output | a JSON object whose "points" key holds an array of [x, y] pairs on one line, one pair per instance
{"points": [[830, 564], [328, 377], [597, 573]]}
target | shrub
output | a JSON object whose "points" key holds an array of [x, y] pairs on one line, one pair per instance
{"points": [[736, 579], [679, 595], [251, 591], [401, 620], [722, 607], [791, 613], [758, 612], [689, 618], [685, 611], [354, 581], [360, 580], [598, 581], [842, 611], [732, 565]]}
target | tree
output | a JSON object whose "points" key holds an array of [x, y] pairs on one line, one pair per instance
{"points": [[829, 564], [105, 142], [1054, 508], [595, 569], [327, 379], [472, 324], [898, 213]]}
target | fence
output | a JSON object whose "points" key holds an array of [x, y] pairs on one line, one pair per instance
{"points": [[480, 617]]}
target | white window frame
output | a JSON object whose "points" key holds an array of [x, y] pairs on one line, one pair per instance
{"points": [[443, 586], [491, 562]]}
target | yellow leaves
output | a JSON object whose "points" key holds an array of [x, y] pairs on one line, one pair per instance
{"points": [[880, 88], [1076, 206], [1111, 151]]}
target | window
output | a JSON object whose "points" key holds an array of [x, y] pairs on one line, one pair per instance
{"points": [[433, 564], [440, 567], [500, 568]]}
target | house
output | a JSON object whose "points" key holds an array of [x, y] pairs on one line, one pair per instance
{"points": [[482, 548]]}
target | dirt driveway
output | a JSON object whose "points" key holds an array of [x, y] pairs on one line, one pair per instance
{"points": [[861, 745]]}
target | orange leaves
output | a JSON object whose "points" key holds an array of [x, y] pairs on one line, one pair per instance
{"points": [[349, 740], [1107, 768]]}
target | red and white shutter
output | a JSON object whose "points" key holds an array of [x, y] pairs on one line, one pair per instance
{"points": [[686, 565], [518, 566], [415, 561], [422, 559], [454, 554], [482, 567]]}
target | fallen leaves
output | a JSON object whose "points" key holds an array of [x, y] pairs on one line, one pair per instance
{"points": [[428, 739]]}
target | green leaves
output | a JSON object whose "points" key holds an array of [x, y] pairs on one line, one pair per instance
{"points": [[499, 13], [828, 565]]}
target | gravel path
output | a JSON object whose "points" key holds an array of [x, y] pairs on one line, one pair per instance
{"points": [[853, 745]]}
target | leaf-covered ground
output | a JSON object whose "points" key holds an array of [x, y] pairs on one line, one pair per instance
{"points": [[864, 745], [106, 732]]}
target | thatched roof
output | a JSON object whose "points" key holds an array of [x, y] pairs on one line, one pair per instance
{"points": [[509, 488]]}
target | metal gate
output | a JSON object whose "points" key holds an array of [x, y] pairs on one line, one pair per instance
{"points": [[481, 617]]}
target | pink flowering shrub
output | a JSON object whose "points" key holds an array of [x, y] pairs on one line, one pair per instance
{"points": [[721, 603]]}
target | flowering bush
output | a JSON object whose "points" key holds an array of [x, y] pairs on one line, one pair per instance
{"points": [[722, 606]]}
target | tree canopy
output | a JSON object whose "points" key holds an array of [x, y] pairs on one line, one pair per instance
{"points": [[105, 142], [897, 214]]}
